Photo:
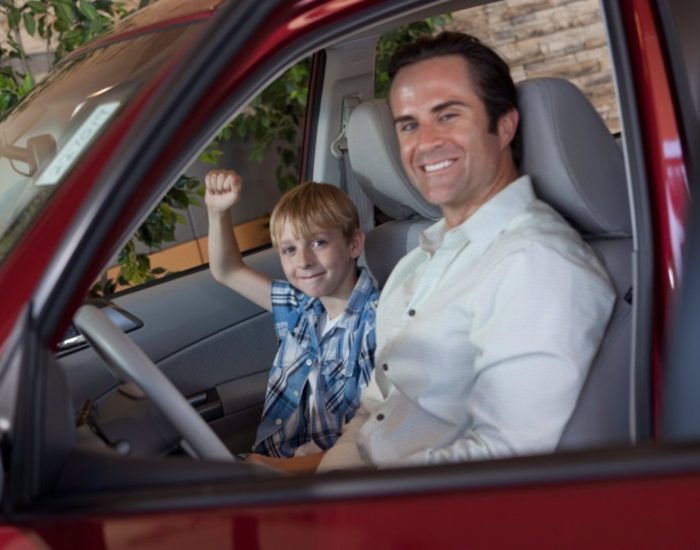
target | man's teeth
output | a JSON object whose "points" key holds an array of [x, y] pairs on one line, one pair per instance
{"points": [[437, 166]]}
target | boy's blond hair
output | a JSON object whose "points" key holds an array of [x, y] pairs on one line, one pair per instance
{"points": [[312, 206]]}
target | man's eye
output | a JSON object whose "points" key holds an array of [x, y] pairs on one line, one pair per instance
{"points": [[407, 127], [445, 117]]}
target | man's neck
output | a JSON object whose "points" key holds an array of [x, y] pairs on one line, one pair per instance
{"points": [[458, 215]]}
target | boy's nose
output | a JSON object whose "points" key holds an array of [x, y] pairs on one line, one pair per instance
{"points": [[304, 258]]}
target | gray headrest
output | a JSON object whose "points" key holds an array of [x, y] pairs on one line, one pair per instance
{"points": [[575, 164], [375, 159]]}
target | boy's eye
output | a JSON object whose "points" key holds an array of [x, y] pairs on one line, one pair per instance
{"points": [[318, 243], [287, 250]]}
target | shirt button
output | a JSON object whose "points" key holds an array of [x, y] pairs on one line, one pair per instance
{"points": [[380, 417], [309, 361], [385, 366], [411, 312], [278, 421], [296, 393]]}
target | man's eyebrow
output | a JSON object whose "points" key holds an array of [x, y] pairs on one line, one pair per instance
{"points": [[446, 105], [436, 109], [404, 118]]}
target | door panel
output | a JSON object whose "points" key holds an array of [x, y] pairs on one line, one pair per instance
{"points": [[216, 347]]}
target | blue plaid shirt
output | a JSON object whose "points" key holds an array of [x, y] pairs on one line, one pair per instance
{"points": [[344, 357]]}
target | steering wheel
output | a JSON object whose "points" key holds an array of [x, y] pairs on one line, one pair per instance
{"points": [[131, 364]]}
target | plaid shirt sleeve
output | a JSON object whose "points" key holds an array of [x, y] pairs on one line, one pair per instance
{"points": [[285, 306]]}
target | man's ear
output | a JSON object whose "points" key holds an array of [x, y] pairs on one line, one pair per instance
{"points": [[507, 126], [357, 243]]}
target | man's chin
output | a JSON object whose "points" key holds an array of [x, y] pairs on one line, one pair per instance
{"points": [[435, 194]]}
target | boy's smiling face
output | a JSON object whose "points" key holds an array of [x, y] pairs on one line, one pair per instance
{"points": [[321, 264]]}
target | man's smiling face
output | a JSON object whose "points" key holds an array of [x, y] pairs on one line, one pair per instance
{"points": [[446, 147]]}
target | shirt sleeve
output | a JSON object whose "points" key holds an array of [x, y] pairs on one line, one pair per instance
{"points": [[536, 338]]}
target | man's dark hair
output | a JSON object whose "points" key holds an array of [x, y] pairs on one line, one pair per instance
{"points": [[491, 74]]}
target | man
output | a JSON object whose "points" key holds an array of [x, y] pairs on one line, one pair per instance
{"points": [[485, 332]]}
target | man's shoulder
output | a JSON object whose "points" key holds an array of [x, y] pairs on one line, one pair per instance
{"points": [[541, 225]]}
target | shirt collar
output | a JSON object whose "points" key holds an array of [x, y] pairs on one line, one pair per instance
{"points": [[486, 223]]}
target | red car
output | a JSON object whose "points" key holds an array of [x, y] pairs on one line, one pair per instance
{"points": [[89, 462]]}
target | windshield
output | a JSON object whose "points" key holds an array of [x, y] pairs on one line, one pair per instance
{"points": [[43, 138]]}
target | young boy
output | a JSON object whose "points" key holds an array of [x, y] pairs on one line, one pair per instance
{"points": [[324, 313]]}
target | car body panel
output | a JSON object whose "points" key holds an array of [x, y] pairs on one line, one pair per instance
{"points": [[628, 503], [575, 499], [666, 167]]}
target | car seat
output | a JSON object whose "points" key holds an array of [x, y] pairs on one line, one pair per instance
{"points": [[578, 168]]}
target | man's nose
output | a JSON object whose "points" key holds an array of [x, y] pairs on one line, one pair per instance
{"points": [[429, 137]]}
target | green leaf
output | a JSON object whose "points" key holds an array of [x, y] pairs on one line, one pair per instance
{"points": [[26, 85], [65, 13], [36, 7], [88, 10], [29, 22], [14, 16]]}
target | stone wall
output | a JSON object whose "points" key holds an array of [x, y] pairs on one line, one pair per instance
{"points": [[564, 38]]}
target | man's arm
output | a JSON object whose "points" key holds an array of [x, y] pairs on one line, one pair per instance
{"points": [[534, 358], [223, 188]]}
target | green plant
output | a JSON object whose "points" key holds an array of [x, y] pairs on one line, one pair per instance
{"points": [[159, 227], [65, 25], [276, 116], [273, 119]]}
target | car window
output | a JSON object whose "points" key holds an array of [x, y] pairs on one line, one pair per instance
{"points": [[262, 143], [41, 139]]}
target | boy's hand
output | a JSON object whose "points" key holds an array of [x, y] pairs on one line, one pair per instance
{"points": [[296, 465], [223, 189]]}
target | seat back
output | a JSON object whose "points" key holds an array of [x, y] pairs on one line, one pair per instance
{"points": [[577, 167], [376, 163]]}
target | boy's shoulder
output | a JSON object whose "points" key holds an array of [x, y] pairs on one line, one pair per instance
{"points": [[283, 294], [365, 293]]}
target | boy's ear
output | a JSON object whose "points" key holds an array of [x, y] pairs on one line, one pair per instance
{"points": [[357, 244]]}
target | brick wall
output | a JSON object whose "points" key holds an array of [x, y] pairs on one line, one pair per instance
{"points": [[563, 38]]}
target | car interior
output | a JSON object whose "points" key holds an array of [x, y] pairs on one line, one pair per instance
{"points": [[104, 431]]}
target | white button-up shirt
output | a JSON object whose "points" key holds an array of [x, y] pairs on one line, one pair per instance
{"points": [[485, 334]]}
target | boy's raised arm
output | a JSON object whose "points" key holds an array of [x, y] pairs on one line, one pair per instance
{"points": [[223, 189]]}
